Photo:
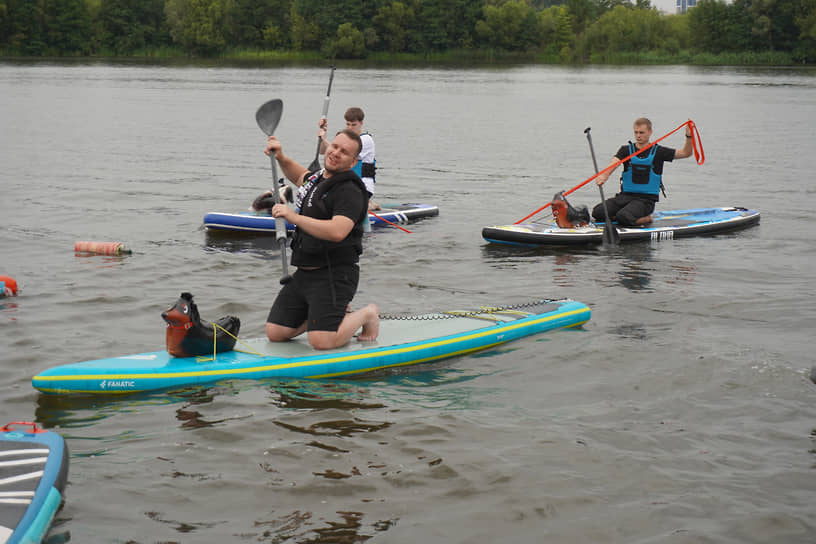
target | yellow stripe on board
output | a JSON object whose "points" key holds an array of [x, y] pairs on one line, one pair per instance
{"points": [[338, 359]]}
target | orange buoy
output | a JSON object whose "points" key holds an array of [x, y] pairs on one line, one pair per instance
{"points": [[101, 248], [8, 287]]}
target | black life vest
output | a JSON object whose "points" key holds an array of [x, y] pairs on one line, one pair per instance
{"points": [[308, 250]]}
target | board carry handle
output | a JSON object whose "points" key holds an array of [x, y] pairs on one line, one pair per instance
{"points": [[34, 429]]}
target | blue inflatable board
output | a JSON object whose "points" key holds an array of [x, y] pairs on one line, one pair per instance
{"points": [[403, 340], [33, 472]]}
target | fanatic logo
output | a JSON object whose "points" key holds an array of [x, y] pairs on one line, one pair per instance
{"points": [[119, 384]]}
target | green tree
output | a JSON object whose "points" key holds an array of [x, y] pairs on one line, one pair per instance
{"points": [[348, 44], [255, 23], [25, 27], [198, 25], [626, 30], [583, 12], [512, 26], [68, 27], [716, 27], [805, 50], [128, 25], [393, 24], [303, 34], [555, 29], [677, 33]]}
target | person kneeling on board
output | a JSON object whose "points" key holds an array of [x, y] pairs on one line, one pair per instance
{"points": [[332, 205], [642, 177]]}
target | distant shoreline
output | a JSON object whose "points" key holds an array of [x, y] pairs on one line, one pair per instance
{"points": [[456, 57]]}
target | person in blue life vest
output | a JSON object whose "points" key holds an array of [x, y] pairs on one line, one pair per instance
{"points": [[366, 162], [641, 180], [332, 205]]}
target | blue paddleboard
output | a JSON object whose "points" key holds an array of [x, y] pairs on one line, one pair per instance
{"points": [[262, 222], [403, 340], [33, 472]]}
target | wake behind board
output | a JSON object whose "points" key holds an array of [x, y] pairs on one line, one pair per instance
{"points": [[33, 472], [262, 222], [402, 341], [666, 225]]}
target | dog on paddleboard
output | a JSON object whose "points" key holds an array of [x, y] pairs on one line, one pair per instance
{"points": [[188, 335]]}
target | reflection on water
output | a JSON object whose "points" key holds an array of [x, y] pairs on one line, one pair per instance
{"points": [[299, 526], [233, 242], [76, 411], [637, 264]]}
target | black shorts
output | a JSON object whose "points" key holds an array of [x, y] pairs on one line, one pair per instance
{"points": [[318, 297]]}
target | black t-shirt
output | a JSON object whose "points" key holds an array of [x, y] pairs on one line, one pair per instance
{"points": [[344, 198]]}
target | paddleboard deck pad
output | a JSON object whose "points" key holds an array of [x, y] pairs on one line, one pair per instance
{"points": [[33, 472], [666, 225], [262, 222], [403, 340]]}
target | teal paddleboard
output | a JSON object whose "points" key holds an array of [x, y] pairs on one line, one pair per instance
{"points": [[403, 340]]}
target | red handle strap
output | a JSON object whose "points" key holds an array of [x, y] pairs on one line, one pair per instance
{"points": [[7, 428]]}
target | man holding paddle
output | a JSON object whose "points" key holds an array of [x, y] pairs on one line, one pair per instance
{"points": [[641, 181], [332, 205]]}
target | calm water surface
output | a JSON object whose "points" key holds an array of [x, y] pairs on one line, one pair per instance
{"points": [[682, 412]]}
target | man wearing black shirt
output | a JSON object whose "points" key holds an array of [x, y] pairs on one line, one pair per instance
{"points": [[332, 205]]}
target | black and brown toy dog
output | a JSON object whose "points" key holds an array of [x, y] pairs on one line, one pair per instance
{"points": [[188, 335]]}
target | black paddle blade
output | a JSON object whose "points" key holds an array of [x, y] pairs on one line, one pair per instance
{"points": [[268, 116], [611, 237]]}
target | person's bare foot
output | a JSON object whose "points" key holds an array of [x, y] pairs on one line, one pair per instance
{"points": [[371, 326], [643, 221]]}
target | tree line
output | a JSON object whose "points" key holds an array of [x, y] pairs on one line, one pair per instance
{"points": [[551, 30]]}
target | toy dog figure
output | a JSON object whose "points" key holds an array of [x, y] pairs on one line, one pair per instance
{"points": [[188, 335], [566, 216]]}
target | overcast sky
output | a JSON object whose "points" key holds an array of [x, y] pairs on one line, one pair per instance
{"points": [[665, 5]]}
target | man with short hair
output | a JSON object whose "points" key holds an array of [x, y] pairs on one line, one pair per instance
{"points": [[332, 204], [642, 177]]}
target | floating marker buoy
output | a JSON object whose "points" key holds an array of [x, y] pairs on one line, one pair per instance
{"points": [[101, 248], [8, 287]]}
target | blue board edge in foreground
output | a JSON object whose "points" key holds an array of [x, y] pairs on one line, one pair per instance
{"points": [[158, 370], [667, 225], [40, 511]]}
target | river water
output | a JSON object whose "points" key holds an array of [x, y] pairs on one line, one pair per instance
{"points": [[682, 412]]}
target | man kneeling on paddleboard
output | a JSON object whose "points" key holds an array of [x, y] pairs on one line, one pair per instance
{"points": [[332, 205], [641, 181]]}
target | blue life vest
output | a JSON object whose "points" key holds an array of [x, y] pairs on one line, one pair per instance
{"points": [[640, 177], [366, 169]]}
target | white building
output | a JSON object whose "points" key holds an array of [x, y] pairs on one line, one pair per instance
{"points": [[684, 5]]}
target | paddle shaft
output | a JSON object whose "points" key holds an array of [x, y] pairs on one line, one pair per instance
{"points": [[280, 224], [316, 163], [610, 233]]}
